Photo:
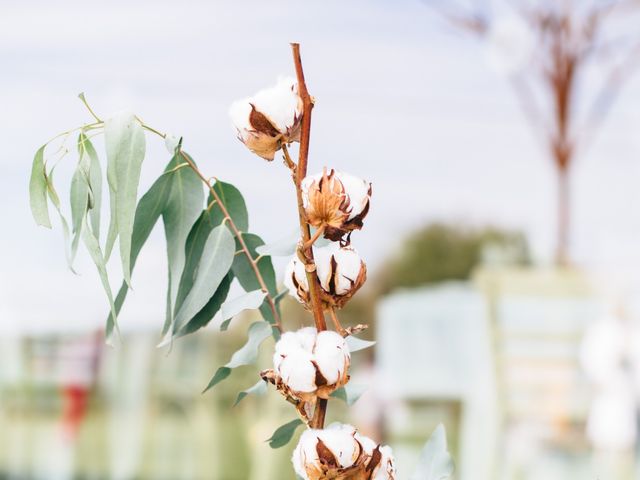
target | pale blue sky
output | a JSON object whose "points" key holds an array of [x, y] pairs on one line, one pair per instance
{"points": [[401, 100]]}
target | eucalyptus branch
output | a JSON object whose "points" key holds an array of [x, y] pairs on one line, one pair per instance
{"points": [[236, 231], [252, 261]]}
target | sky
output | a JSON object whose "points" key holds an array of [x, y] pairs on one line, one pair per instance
{"points": [[401, 100]]}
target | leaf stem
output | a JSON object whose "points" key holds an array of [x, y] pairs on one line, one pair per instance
{"points": [[86, 104], [299, 173]]}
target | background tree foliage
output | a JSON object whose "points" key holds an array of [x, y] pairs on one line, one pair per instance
{"points": [[442, 251]]}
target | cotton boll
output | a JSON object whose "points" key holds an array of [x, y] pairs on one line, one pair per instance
{"points": [[269, 119], [335, 201], [340, 439], [339, 451], [386, 469], [239, 113], [295, 280], [331, 355], [339, 269], [297, 370], [349, 266], [359, 192], [307, 338], [281, 103], [309, 365]]}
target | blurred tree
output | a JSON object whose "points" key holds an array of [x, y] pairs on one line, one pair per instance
{"points": [[547, 49], [440, 252]]}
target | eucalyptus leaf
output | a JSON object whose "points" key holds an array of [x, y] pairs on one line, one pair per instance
{"points": [[259, 389], [234, 204], [204, 316], [148, 211], [285, 247], [194, 246], [125, 146], [243, 271], [435, 461], [38, 190], [284, 433], [246, 301], [214, 264], [180, 213], [93, 247], [80, 200], [95, 182], [258, 333], [55, 200], [350, 393], [356, 343]]}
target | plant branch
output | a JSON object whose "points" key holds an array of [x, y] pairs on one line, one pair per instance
{"points": [[307, 252], [252, 261], [236, 231]]}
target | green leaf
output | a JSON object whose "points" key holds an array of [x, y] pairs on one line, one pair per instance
{"points": [[181, 211], [356, 343], [213, 266], [233, 307], [125, 145], [55, 199], [38, 190], [259, 389], [193, 251], [80, 199], [148, 211], [243, 271], [435, 461], [234, 204], [350, 393], [248, 354], [95, 182], [285, 247], [284, 433], [91, 242], [204, 316]]}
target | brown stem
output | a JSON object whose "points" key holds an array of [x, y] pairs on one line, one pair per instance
{"points": [[336, 321], [287, 159], [252, 261], [301, 171]]}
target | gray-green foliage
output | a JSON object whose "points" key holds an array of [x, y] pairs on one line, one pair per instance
{"points": [[284, 433], [443, 251], [435, 462], [208, 244]]}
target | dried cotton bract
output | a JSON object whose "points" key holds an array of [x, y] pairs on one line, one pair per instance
{"points": [[340, 270], [339, 452], [335, 201], [269, 119]]}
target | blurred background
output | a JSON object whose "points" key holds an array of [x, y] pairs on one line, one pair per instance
{"points": [[502, 140]]}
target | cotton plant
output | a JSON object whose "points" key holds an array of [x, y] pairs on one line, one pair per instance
{"points": [[210, 245]]}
